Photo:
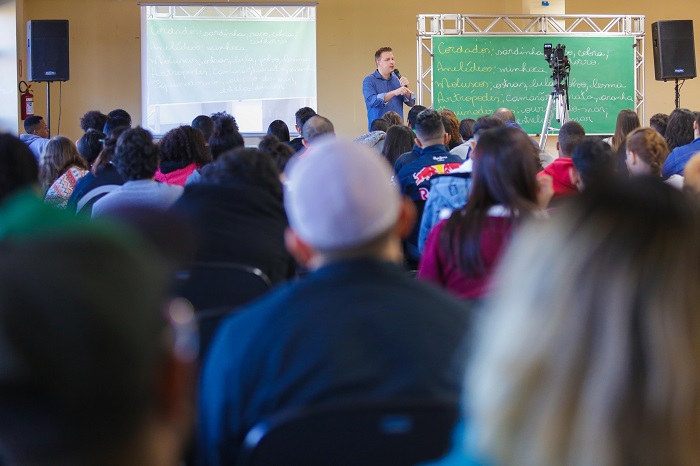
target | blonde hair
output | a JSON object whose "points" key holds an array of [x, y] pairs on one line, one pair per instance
{"points": [[59, 155], [590, 351], [650, 147]]}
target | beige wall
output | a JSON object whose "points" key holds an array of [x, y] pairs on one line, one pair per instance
{"points": [[105, 51]]}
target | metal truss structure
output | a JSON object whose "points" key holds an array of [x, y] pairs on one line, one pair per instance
{"points": [[429, 26], [248, 11]]}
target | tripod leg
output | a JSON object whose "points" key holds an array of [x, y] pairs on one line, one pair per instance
{"points": [[545, 125]]}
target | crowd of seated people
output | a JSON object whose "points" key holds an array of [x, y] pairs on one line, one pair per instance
{"points": [[548, 298]]}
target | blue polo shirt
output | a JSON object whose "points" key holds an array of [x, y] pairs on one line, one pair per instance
{"points": [[374, 87], [675, 163]]}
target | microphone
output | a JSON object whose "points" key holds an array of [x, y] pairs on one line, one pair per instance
{"points": [[398, 75]]}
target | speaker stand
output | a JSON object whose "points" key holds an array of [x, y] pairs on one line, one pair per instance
{"points": [[48, 106], [678, 95]]}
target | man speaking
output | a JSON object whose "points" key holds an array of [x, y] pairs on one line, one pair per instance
{"points": [[386, 90]]}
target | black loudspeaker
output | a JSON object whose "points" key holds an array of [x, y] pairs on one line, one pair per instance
{"points": [[674, 49], [47, 50]]}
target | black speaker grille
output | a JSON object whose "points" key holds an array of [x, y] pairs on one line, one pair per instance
{"points": [[48, 50]]}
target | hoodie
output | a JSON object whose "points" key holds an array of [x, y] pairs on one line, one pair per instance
{"points": [[35, 143]]}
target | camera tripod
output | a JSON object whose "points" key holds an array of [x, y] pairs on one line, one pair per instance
{"points": [[558, 104]]}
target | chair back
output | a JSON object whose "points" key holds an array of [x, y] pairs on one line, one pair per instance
{"points": [[382, 433], [216, 290]]}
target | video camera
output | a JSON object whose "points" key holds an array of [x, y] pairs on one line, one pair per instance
{"points": [[556, 57]]}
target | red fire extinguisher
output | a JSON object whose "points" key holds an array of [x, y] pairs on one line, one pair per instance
{"points": [[26, 100]]}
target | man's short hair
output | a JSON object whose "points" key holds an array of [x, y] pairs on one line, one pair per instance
{"points": [[504, 114], [570, 135], [316, 127], [380, 51], [413, 114], [32, 123], [594, 161], [303, 114], [205, 125], [18, 166], [466, 128], [659, 121], [486, 123], [136, 156], [379, 124], [429, 125]]}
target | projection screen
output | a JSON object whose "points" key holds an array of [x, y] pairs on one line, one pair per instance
{"points": [[256, 62]]}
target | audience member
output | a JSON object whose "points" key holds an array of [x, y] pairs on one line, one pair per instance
{"points": [[466, 128], [659, 121], [455, 137], [280, 129], [646, 152], [398, 140], [414, 178], [227, 116], [97, 367], [594, 163], [93, 119], [315, 128], [301, 116], [205, 125], [412, 115], [116, 122], [450, 191], [507, 116], [563, 182], [279, 151], [61, 168], [392, 118], [182, 151], [224, 138], [237, 214], [377, 134], [136, 158], [379, 124], [627, 121], [675, 163], [102, 179], [462, 252], [37, 135], [466, 132], [680, 128], [412, 155], [18, 167], [90, 145], [588, 351], [120, 114], [288, 351]]}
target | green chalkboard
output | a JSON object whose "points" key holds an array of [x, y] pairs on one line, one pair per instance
{"points": [[473, 76]]}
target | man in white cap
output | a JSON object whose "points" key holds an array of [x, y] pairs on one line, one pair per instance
{"points": [[355, 328]]}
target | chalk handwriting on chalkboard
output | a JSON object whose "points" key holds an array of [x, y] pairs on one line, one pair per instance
{"points": [[475, 75]]}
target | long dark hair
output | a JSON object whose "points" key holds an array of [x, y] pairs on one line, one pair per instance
{"points": [[398, 140], [505, 169], [679, 130]]}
